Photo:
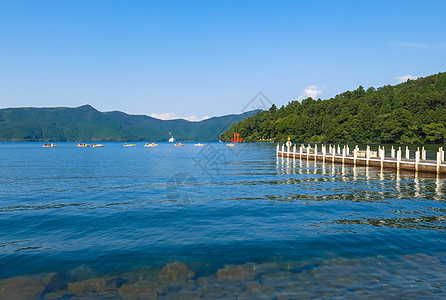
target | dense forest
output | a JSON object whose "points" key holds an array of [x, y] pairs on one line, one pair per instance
{"points": [[85, 123], [410, 112]]}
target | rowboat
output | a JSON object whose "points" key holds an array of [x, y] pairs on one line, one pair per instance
{"points": [[150, 145], [49, 146]]}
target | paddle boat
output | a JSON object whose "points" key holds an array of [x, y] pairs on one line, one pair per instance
{"points": [[178, 145], [49, 145], [198, 145], [129, 145], [83, 145], [150, 145]]}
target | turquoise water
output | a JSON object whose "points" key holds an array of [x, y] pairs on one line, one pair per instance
{"points": [[213, 222]]}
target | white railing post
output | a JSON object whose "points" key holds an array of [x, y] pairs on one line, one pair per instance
{"points": [[407, 153], [315, 152], [398, 158], [308, 151], [339, 149], [368, 155], [438, 161], [283, 149], [417, 159], [442, 154], [324, 151], [294, 151], [355, 154], [343, 154], [392, 153], [382, 155], [277, 151], [348, 150], [423, 154]]}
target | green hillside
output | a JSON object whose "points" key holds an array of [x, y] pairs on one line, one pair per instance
{"points": [[410, 112], [85, 123]]}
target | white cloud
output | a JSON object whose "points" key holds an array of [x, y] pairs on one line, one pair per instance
{"points": [[172, 116], [165, 116], [404, 78], [311, 91], [195, 118]]}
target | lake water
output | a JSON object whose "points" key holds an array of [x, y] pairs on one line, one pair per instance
{"points": [[213, 222]]}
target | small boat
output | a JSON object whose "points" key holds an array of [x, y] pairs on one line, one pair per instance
{"points": [[230, 145], [178, 145], [129, 145], [150, 145], [83, 145], [198, 145], [171, 140], [49, 145], [97, 145]]}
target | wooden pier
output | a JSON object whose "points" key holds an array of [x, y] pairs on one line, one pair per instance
{"points": [[396, 161]]}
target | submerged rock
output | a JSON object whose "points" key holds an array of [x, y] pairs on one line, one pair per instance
{"points": [[240, 274], [281, 279], [142, 290], [20, 287], [181, 295], [82, 272], [175, 273], [89, 285], [256, 291]]}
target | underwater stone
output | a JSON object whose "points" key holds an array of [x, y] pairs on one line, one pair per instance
{"points": [[175, 273], [18, 288], [256, 291], [89, 285], [237, 274], [141, 290]]}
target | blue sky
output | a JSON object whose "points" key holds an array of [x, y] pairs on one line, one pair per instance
{"points": [[194, 59]]}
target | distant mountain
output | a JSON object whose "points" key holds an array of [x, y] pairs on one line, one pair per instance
{"points": [[85, 123]]}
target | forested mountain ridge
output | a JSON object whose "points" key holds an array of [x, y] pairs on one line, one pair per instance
{"points": [[85, 123], [410, 112]]}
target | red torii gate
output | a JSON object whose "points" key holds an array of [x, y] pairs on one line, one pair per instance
{"points": [[236, 138]]}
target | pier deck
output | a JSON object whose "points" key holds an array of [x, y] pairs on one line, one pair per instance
{"points": [[372, 158]]}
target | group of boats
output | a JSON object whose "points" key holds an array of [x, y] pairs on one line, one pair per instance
{"points": [[49, 145], [84, 145]]}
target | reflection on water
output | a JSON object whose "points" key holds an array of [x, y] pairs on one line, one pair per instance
{"points": [[371, 185]]}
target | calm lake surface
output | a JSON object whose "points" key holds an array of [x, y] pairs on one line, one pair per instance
{"points": [[213, 222]]}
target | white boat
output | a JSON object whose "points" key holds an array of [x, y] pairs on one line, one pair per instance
{"points": [[199, 145], [171, 140], [97, 145]]}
